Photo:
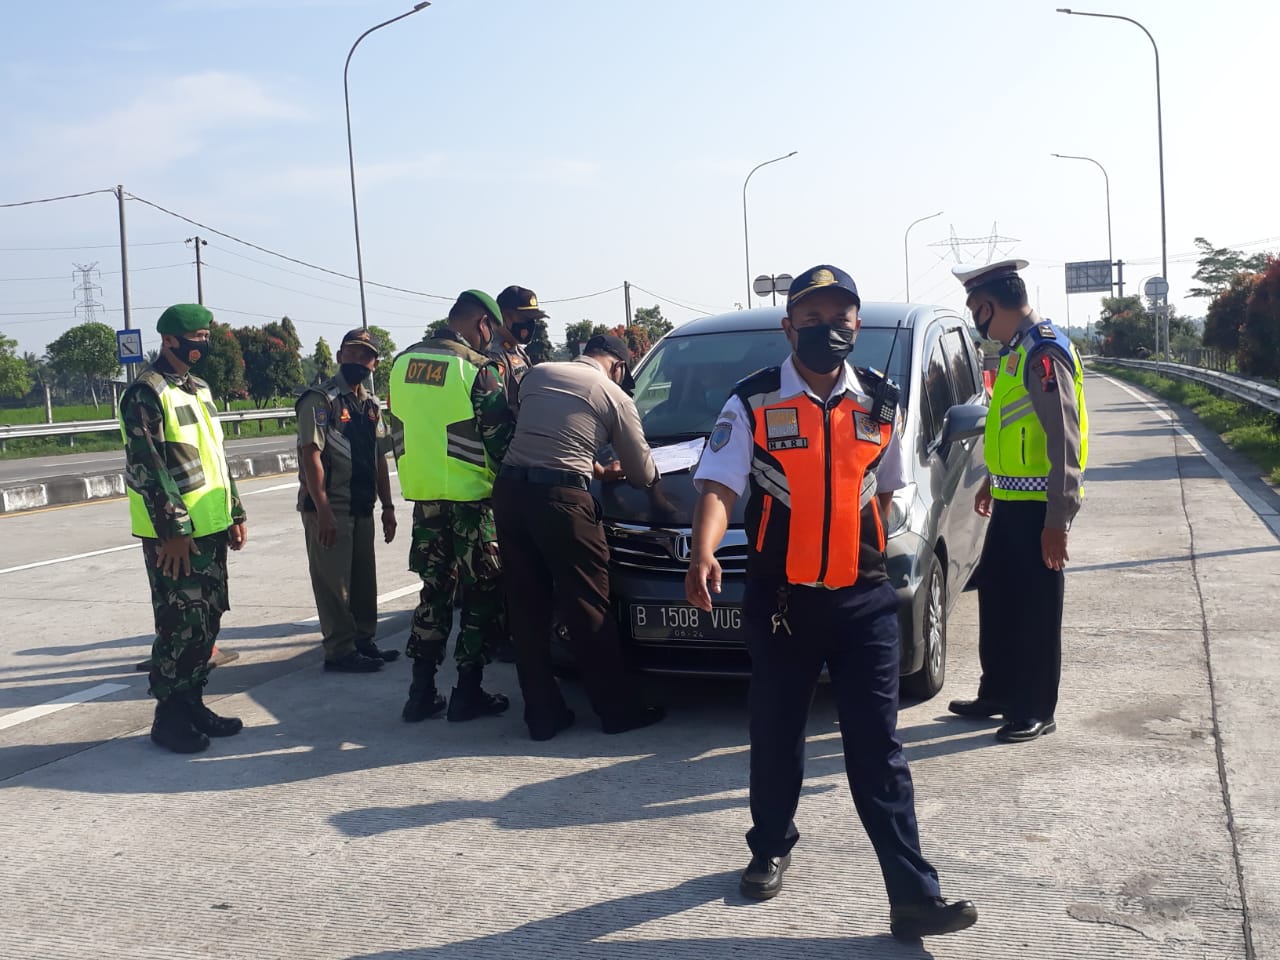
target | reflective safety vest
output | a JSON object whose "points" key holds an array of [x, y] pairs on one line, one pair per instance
{"points": [[430, 393], [812, 516], [1015, 445], [193, 454]]}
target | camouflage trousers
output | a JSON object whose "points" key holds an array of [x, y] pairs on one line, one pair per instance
{"points": [[456, 545], [188, 612]]}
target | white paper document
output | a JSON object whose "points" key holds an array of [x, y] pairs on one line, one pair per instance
{"points": [[678, 456]]}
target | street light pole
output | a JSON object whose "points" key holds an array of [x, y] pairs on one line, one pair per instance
{"points": [[1164, 246], [355, 214], [1107, 181], [906, 256], [745, 241]]}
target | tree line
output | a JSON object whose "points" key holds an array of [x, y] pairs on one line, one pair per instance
{"points": [[262, 364]]}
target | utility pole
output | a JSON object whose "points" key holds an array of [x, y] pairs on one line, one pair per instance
{"points": [[124, 276], [199, 275], [626, 295], [1120, 278]]}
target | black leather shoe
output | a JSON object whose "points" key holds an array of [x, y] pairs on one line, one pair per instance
{"points": [[762, 880], [635, 720], [371, 650], [980, 708], [911, 921], [469, 702], [420, 706], [1020, 731], [354, 662], [538, 731]]}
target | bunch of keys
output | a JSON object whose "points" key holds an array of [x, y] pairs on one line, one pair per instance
{"points": [[779, 619]]}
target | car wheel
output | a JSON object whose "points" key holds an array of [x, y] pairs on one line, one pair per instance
{"points": [[928, 680]]}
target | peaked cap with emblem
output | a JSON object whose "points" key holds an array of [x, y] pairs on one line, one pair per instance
{"points": [[822, 277], [973, 277], [361, 337], [184, 318], [522, 299]]}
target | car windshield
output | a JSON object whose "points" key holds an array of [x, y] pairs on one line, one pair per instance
{"points": [[684, 382]]}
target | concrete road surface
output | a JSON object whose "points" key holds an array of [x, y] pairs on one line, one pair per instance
{"points": [[72, 464], [1148, 826]]}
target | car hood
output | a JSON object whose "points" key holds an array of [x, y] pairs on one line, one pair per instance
{"points": [[669, 503]]}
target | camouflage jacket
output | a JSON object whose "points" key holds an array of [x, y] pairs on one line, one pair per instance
{"points": [[144, 455], [494, 417]]}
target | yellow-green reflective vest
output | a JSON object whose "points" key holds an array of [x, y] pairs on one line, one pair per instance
{"points": [[430, 394], [194, 456], [1016, 447]]}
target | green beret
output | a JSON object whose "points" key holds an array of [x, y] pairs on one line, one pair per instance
{"points": [[184, 318], [490, 305]]}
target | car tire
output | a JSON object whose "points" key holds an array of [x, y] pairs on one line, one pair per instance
{"points": [[928, 680]]}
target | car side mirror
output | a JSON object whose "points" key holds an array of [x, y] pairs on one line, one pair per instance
{"points": [[964, 421]]}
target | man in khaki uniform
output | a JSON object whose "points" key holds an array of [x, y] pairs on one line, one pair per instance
{"points": [[341, 472]]}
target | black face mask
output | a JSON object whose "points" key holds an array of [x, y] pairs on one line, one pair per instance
{"points": [[982, 318], [191, 352], [353, 373], [523, 331], [628, 382], [822, 348]]}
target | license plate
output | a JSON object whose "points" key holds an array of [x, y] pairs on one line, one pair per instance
{"points": [[683, 622]]}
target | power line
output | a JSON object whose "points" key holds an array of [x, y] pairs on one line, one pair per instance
{"points": [[68, 196], [674, 303], [63, 276], [585, 296], [99, 246], [305, 293]]}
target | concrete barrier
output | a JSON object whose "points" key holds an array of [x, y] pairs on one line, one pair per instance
{"points": [[59, 491]]}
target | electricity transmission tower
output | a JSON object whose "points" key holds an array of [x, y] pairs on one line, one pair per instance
{"points": [[970, 249], [87, 292]]}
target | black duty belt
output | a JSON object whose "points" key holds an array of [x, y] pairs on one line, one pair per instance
{"points": [[546, 478]]}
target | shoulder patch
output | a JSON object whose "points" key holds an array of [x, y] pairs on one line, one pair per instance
{"points": [[321, 416], [1046, 330], [867, 428], [720, 435]]}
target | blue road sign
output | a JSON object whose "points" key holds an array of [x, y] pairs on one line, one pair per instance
{"points": [[129, 346]]}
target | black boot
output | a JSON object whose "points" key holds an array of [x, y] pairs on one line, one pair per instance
{"points": [[172, 728], [468, 701], [208, 722], [366, 646], [423, 700]]}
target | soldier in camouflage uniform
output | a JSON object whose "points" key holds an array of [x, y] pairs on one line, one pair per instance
{"points": [[457, 425], [184, 505]]}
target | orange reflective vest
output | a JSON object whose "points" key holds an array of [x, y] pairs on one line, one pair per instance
{"points": [[812, 516]]}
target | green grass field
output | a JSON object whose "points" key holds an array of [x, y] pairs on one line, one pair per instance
{"points": [[1247, 429]]}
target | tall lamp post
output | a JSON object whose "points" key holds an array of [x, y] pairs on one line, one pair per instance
{"points": [[1164, 246], [906, 256], [1107, 181], [346, 96], [746, 244]]}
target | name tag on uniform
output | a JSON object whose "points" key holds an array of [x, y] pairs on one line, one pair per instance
{"points": [[867, 428], [1011, 364], [782, 422], [789, 443], [429, 373]]}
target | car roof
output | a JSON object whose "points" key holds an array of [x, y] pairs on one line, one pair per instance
{"points": [[769, 318]]}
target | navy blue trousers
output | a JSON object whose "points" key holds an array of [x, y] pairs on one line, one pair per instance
{"points": [[854, 633], [1019, 614]]}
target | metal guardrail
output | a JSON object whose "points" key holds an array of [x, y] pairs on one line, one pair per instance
{"points": [[233, 417], [1259, 394]]}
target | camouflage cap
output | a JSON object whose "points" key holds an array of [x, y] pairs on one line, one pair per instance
{"points": [[184, 318]]}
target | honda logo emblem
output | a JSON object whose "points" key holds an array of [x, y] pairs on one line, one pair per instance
{"points": [[683, 548]]}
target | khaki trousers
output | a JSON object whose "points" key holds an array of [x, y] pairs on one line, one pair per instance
{"points": [[344, 580]]}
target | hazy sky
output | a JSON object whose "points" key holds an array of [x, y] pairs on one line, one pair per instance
{"points": [[569, 145]]}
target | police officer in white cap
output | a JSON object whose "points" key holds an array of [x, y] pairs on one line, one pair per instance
{"points": [[1036, 444]]}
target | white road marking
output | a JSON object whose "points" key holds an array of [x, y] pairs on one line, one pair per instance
{"points": [[1266, 513], [278, 486], [78, 556], [53, 706], [383, 598]]}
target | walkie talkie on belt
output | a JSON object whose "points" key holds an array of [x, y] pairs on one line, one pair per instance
{"points": [[884, 400]]}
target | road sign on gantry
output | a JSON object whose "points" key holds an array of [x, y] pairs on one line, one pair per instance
{"points": [[1089, 276]]}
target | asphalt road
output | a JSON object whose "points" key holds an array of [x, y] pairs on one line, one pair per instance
{"points": [[1145, 827], [72, 464]]}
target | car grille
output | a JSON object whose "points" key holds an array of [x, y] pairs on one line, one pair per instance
{"points": [[667, 550]]}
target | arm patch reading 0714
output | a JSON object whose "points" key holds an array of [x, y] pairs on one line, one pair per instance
{"points": [[430, 373]]}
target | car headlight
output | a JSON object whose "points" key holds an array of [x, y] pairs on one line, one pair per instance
{"points": [[900, 510]]}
